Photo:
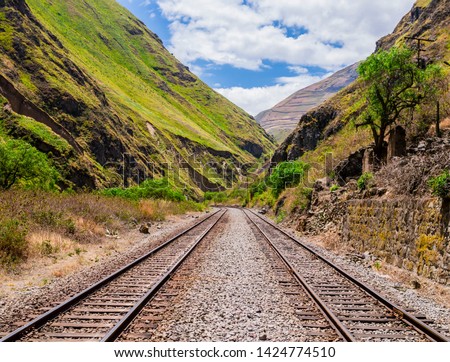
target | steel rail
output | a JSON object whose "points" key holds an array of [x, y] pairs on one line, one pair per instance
{"points": [[401, 313], [330, 316], [120, 327], [66, 305]]}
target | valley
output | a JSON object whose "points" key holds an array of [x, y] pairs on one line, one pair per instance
{"points": [[139, 204]]}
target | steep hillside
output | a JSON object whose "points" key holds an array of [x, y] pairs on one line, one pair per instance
{"points": [[329, 127], [282, 119], [99, 79], [396, 213]]}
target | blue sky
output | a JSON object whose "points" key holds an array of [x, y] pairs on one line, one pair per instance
{"points": [[258, 52]]}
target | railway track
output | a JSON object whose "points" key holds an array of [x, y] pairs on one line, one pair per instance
{"points": [[159, 321], [103, 311], [330, 305], [356, 311]]}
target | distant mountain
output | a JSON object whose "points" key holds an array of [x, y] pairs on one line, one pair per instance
{"points": [[282, 119], [90, 75]]}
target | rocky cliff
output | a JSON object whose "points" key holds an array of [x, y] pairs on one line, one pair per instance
{"points": [[396, 218]]}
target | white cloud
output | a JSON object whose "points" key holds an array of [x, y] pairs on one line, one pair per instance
{"points": [[246, 34], [230, 32], [257, 99]]}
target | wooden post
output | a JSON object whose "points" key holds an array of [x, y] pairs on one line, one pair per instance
{"points": [[438, 119]]}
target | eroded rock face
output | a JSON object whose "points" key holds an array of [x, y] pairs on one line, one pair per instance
{"points": [[307, 135], [24, 107], [425, 22], [20, 5], [252, 148], [350, 168]]}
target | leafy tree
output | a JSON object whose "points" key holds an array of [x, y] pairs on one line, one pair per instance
{"points": [[21, 163], [395, 84]]}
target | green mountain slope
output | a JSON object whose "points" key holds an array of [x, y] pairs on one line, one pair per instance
{"points": [[101, 80]]}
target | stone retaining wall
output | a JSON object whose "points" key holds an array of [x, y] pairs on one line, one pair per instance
{"points": [[410, 233]]}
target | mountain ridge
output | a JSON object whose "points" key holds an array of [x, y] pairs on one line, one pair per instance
{"points": [[132, 108], [282, 119]]}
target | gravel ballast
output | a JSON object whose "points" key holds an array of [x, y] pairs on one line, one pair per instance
{"points": [[235, 295]]}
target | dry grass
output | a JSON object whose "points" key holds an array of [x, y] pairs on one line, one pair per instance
{"points": [[410, 175], [47, 243], [331, 241], [445, 124], [154, 210], [89, 226], [157, 210], [54, 225], [427, 288]]}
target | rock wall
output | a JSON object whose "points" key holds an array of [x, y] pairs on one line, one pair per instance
{"points": [[410, 233]]}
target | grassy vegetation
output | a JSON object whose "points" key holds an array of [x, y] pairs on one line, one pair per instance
{"points": [[440, 185], [288, 178], [21, 164], [39, 223], [44, 134], [13, 246], [365, 180], [149, 189], [286, 175], [422, 3], [142, 80], [216, 197], [334, 188]]}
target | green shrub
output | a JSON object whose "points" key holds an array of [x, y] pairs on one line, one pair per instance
{"points": [[216, 197], [307, 192], [266, 198], [46, 248], [440, 185], [150, 189], [13, 245], [257, 188], [53, 219], [237, 193], [285, 175], [365, 181], [334, 188], [47, 217], [69, 226], [21, 164], [281, 216]]}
